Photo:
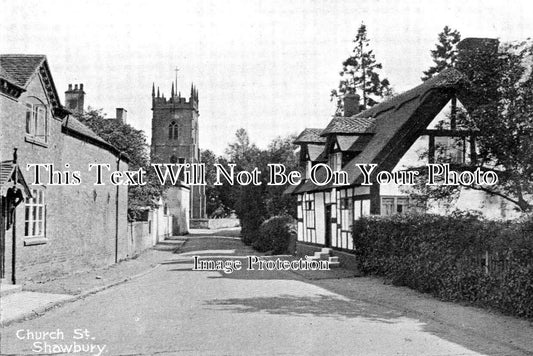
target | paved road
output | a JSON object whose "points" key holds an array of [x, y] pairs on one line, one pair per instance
{"points": [[175, 311]]}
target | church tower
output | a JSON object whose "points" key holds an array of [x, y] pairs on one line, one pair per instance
{"points": [[175, 139]]}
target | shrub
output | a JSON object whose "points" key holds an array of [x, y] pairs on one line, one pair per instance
{"points": [[251, 211], [274, 235], [447, 256]]}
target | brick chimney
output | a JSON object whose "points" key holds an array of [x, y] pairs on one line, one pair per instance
{"points": [[351, 104], [478, 60], [122, 115], [75, 98]]}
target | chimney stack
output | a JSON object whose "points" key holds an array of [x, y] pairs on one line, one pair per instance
{"points": [[478, 60], [351, 104], [75, 98], [122, 115]]}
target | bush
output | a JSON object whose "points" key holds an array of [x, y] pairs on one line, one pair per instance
{"points": [[251, 212], [446, 256], [274, 235]]}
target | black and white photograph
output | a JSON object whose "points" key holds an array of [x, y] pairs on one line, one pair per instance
{"points": [[266, 177]]}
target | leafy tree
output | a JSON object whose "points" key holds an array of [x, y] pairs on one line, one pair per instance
{"points": [[500, 99], [281, 150], [133, 143], [254, 204], [219, 198], [503, 113], [360, 73], [445, 53], [242, 152]]}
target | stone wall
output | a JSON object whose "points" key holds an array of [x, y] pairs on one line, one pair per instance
{"points": [[213, 223]]}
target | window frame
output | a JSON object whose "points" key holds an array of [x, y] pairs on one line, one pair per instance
{"points": [[395, 205], [33, 218], [37, 121], [173, 131], [309, 208], [346, 207]]}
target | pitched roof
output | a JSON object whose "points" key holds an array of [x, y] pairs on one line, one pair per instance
{"points": [[314, 151], [398, 122], [19, 68], [7, 174], [352, 125], [346, 141], [310, 135], [75, 128]]}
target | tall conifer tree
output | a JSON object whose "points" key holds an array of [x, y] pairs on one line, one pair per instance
{"points": [[360, 74], [445, 53]]}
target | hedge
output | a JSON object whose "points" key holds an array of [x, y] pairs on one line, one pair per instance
{"points": [[274, 235], [458, 257]]}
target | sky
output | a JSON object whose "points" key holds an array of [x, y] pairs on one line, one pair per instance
{"points": [[266, 66]]}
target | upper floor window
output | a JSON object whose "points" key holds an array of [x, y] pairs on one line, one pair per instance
{"points": [[335, 161], [173, 131], [451, 149], [37, 120]]}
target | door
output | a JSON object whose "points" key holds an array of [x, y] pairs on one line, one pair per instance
{"points": [[327, 238]]}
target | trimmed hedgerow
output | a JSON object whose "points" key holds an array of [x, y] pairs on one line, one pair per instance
{"points": [[458, 257], [274, 235]]}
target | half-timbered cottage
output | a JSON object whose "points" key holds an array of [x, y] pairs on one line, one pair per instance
{"points": [[409, 130]]}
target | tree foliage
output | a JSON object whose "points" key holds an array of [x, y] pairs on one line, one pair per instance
{"points": [[360, 74], [499, 97], [253, 204], [503, 114], [133, 143], [445, 53]]}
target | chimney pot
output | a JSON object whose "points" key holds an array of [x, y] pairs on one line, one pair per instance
{"points": [[70, 87], [75, 86], [81, 86]]}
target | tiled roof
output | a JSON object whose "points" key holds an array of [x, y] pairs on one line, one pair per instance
{"points": [[310, 136], [5, 75], [349, 125], [73, 126], [19, 68], [7, 172]]}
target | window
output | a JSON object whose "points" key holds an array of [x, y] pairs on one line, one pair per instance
{"points": [[336, 161], [173, 131], [346, 205], [310, 211], [394, 205], [451, 149], [35, 215], [37, 121]]}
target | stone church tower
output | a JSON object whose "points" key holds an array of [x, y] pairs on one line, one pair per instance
{"points": [[175, 140]]}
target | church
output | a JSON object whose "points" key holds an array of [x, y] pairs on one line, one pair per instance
{"points": [[175, 140]]}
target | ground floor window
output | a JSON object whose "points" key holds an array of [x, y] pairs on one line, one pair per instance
{"points": [[394, 205], [346, 207], [35, 214], [309, 206]]}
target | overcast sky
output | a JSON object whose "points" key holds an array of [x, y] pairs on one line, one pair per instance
{"points": [[267, 66]]}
